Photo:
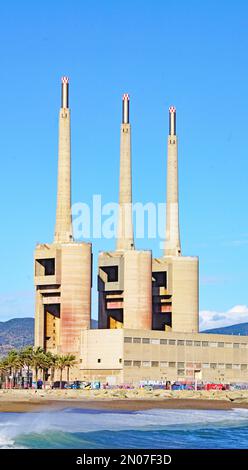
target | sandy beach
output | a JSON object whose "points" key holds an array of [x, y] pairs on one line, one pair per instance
{"points": [[37, 400]]}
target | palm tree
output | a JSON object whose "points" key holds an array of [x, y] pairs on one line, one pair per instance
{"points": [[70, 361], [37, 361], [3, 370], [26, 356], [52, 363], [12, 363], [48, 361], [62, 363]]}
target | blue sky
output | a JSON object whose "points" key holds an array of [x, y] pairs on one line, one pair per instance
{"points": [[191, 54]]}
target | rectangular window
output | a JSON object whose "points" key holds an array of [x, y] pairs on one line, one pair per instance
{"points": [[172, 364], [236, 345], [205, 344], [120, 360], [163, 364], [213, 345], [136, 340], [236, 366], [154, 341], [137, 363], [146, 363], [205, 365], [197, 343], [228, 345], [180, 365], [146, 340], [221, 366], [228, 366], [220, 345], [243, 345], [127, 339], [127, 363], [189, 343], [213, 365], [99, 360], [163, 341], [180, 372], [243, 366], [155, 363], [180, 342], [172, 342]]}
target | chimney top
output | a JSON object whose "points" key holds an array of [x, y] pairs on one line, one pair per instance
{"points": [[126, 97], [172, 109], [65, 79]]}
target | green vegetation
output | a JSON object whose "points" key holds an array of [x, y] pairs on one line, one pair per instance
{"points": [[16, 366]]}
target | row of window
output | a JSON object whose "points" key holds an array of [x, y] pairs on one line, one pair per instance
{"points": [[182, 342], [181, 365], [99, 360]]}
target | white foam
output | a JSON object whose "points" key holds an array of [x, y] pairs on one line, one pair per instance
{"points": [[73, 421], [7, 443]]}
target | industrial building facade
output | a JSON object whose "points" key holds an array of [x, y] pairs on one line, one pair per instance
{"points": [[148, 308], [135, 356]]}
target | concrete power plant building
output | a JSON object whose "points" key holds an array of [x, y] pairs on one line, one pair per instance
{"points": [[175, 278], [124, 276], [62, 268], [148, 312]]}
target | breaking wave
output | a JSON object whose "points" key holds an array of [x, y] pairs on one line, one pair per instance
{"points": [[74, 428]]}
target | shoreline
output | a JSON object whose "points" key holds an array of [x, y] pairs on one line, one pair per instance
{"points": [[119, 400], [118, 405]]}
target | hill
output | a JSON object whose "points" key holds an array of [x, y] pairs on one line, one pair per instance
{"points": [[238, 329], [15, 334]]}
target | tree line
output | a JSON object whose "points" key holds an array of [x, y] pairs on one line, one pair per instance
{"points": [[35, 360]]}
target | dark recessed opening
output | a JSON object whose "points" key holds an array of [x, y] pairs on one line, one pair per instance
{"points": [[159, 279], [112, 273], [45, 267]]}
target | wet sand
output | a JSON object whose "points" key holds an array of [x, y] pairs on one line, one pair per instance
{"points": [[129, 400], [130, 405]]}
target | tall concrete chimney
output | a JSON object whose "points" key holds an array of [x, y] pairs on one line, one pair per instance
{"points": [[172, 241], [63, 228], [125, 240]]}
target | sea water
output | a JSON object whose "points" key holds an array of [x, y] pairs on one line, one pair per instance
{"points": [[150, 429]]}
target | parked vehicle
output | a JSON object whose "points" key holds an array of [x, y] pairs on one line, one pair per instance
{"points": [[177, 386], [57, 384]]}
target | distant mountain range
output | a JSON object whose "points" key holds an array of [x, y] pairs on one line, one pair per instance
{"points": [[19, 332], [239, 329], [15, 334]]}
